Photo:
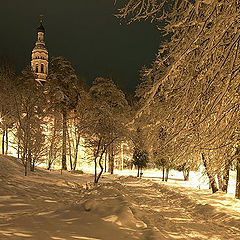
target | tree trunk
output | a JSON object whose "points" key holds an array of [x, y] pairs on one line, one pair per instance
{"points": [[3, 142], [28, 164], [70, 150], [163, 172], [105, 168], [96, 154], [6, 150], [131, 166], [211, 177], [237, 194], [111, 159], [214, 186], [112, 163], [31, 162], [25, 170], [186, 174], [220, 182], [109, 162], [95, 170], [52, 143], [167, 172], [24, 162], [18, 149], [33, 165], [76, 152], [138, 172], [225, 178], [101, 166], [141, 173], [49, 165], [64, 139]]}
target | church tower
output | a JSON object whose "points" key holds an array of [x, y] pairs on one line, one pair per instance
{"points": [[39, 61]]}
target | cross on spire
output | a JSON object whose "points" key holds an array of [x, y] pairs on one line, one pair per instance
{"points": [[41, 18]]}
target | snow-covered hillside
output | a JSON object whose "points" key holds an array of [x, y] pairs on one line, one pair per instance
{"points": [[48, 205]]}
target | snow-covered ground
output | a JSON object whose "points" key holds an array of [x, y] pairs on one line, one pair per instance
{"points": [[48, 205]]}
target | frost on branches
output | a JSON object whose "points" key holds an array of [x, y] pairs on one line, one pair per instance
{"points": [[194, 91]]}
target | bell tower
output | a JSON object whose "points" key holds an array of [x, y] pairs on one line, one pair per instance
{"points": [[39, 61]]}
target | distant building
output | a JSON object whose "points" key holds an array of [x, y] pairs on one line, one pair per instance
{"points": [[39, 61]]}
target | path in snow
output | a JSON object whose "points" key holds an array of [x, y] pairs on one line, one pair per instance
{"points": [[171, 214]]}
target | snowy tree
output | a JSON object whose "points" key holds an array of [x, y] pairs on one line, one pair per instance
{"points": [[101, 118], [79, 123], [7, 120], [201, 75], [112, 99], [140, 159], [29, 102], [62, 88], [53, 137], [98, 132]]}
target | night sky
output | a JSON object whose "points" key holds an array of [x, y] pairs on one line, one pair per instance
{"points": [[86, 32]]}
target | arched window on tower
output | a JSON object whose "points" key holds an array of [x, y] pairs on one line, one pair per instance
{"points": [[36, 70], [42, 68]]}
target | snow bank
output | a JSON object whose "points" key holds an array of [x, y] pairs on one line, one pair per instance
{"points": [[47, 205], [107, 202], [10, 166]]}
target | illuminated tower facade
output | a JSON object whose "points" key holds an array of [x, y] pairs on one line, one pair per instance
{"points": [[39, 61]]}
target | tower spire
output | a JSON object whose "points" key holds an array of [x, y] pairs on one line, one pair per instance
{"points": [[41, 28]]}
